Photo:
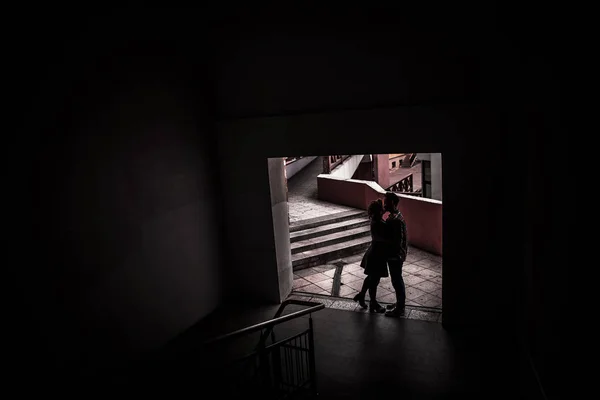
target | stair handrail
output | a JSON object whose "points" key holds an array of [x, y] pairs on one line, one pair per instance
{"points": [[313, 307]]}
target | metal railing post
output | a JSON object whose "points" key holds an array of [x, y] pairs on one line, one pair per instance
{"points": [[264, 365], [311, 356]]}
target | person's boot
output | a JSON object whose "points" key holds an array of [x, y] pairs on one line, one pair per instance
{"points": [[395, 312], [360, 298], [375, 307], [390, 306]]}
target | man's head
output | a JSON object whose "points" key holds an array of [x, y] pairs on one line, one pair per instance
{"points": [[390, 202]]}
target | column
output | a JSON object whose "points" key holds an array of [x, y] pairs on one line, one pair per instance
{"points": [[281, 228], [436, 176]]}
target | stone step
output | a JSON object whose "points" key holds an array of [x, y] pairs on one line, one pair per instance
{"points": [[325, 220], [323, 230], [326, 254], [332, 238]]}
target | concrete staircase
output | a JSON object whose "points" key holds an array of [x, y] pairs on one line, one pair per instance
{"points": [[324, 239]]}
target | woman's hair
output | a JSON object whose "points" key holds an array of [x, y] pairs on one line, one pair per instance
{"points": [[375, 208]]}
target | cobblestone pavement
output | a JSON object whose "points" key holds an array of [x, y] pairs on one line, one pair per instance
{"points": [[303, 196], [422, 273]]}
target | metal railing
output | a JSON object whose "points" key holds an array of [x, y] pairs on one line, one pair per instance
{"points": [[276, 370], [405, 185], [330, 162]]}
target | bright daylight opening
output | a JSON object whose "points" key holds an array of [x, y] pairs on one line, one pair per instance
{"points": [[331, 231]]}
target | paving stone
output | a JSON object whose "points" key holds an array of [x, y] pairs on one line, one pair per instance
{"points": [[349, 277], [353, 268], [356, 285], [411, 258], [434, 257], [330, 273], [300, 282], [424, 315], [437, 292], [346, 291], [299, 297], [412, 293], [326, 285], [412, 280], [387, 298], [325, 268], [411, 268], [429, 300], [426, 286], [312, 288], [436, 279], [317, 277], [305, 272], [426, 273], [344, 305], [427, 263], [326, 302]]}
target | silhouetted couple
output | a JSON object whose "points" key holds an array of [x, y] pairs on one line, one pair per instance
{"points": [[388, 249]]}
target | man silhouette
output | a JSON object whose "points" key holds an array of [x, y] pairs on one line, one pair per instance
{"points": [[397, 251]]}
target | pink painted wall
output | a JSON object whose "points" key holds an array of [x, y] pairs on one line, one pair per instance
{"points": [[382, 170], [351, 193], [423, 222], [423, 216]]}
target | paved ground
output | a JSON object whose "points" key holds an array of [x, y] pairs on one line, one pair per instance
{"points": [[422, 273], [303, 196], [411, 312]]}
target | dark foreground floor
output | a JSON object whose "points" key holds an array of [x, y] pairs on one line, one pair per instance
{"points": [[371, 356]]}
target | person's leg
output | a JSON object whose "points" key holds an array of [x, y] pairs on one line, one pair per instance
{"points": [[360, 297], [373, 283], [398, 284], [374, 305], [365, 287]]}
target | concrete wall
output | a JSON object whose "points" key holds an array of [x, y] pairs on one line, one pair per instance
{"points": [[348, 192], [346, 169], [382, 170], [321, 87], [364, 171], [436, 176], [547, 245], [281, 227], [423, 216], [119, 249], [296, 166]]}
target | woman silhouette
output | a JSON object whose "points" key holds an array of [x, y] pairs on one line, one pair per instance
{"points": [[374, 260]]}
